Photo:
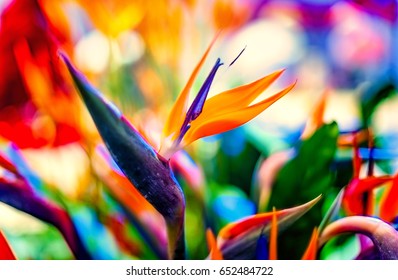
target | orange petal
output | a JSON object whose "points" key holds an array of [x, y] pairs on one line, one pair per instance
{"points": [[238, 97], [346, 140], [230, 14], [312, 249], [177, 113], [5, 249], [356, 160], [316, 119], [319, 111], [273, 245], [114, 17], [389, 202], [215, 253], [206, 125]]}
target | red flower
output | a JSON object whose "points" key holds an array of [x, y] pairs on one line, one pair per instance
{"points": [[32, 85]]}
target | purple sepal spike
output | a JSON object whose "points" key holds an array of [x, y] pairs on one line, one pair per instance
{"points": [[197, 105], [236, 58]]}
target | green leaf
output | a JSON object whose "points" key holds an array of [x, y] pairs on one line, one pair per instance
{"points": [[373, 98], [307, 175], [344, 247], [333, 211]]}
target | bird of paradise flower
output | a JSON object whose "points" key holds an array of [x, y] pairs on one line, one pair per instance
{"points": [[149, 170], [220, 113]]}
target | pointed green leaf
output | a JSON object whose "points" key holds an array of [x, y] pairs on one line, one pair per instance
{"points": [[308, 174]]}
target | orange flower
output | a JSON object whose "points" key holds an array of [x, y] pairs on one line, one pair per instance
{"points": [[312, 248], [219, 113], [215, 253], [33, 92], [114, 17], [230, 14]]}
